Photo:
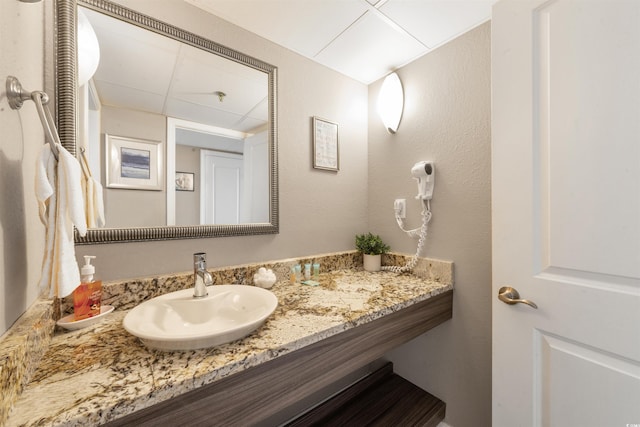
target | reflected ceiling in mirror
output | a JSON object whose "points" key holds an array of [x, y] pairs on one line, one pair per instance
{"points": [[190, 80], [141, 70]]}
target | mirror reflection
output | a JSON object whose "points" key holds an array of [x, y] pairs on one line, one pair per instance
{"points": [[203, 118]]}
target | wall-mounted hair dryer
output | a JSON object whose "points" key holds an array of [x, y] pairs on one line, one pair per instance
{"points": [[424, 172]]}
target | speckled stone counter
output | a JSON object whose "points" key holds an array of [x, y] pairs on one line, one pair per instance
{"points": [[98, 374]]}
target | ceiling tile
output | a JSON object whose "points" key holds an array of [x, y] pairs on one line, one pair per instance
{"points": [[435, 22], [249, 125], [199, 75], [305, 26], [130, 98], [369, 49], [193, 138], [260, 111], [201, 114]]}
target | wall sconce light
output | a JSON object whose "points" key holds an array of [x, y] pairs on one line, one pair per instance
{"points": [[88, 50], [391, 102]]}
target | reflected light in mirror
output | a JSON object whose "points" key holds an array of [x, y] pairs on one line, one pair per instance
{"points": [[391, 102], [88, 50]]}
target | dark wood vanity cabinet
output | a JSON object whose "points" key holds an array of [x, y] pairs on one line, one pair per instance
{"points": [[257, 395]]}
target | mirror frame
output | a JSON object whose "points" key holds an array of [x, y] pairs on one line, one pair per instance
{"points": [[66, 109]]}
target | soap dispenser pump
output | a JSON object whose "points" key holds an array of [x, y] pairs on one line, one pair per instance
{"points": [[88, 270], [87, 296]]}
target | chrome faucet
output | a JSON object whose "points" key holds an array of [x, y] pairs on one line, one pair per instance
{"points": [[201, 277]]}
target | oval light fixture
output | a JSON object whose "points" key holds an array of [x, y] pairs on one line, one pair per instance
{"points": [[88, 50], [391, 102]]}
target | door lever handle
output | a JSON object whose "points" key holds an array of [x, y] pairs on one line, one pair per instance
{"points": [[510, 296]]}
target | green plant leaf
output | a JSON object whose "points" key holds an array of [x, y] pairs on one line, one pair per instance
{"points": [[371, 244]]}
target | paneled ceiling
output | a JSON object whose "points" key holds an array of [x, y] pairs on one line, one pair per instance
{"points": [[174, 79], [363, 39]]}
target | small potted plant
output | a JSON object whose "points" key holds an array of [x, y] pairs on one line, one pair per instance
{"points": [[372, 248]]}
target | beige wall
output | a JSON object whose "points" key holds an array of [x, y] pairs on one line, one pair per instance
{"points": [[134, 208], [447, 120], [319, 211], [188, 202], [21, 138]]}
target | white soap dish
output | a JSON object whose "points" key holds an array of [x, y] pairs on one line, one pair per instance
{"points": [[67, 322]]}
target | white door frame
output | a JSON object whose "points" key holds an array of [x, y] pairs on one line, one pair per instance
{"points": [[173, 125]]}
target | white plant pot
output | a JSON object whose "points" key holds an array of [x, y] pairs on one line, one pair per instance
{"points": [[371, 262]]}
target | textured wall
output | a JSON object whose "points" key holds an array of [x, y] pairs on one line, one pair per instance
{"points": [[188, 202], [447, 120], [319, 211], [21, 138]]}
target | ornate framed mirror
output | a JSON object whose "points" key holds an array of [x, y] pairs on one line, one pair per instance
{"points": [[213, 104]]}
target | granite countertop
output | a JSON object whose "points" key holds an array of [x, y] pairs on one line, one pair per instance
{"points": [[101, 373]]}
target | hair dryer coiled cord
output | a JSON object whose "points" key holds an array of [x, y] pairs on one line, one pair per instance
{"points": [[426, 217]]}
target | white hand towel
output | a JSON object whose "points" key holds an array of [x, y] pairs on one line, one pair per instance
{"points": [[98, 205], [60, 275], [92, 190], [44, 173], [94, 206], [47, 198]]}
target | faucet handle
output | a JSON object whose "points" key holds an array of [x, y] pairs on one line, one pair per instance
{"points": [[199, 262]]}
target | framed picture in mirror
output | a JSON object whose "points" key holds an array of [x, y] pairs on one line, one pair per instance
{"points": [[133, 164], [184, 181]]}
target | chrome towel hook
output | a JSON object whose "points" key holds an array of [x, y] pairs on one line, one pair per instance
{"points": [[16, 95]]}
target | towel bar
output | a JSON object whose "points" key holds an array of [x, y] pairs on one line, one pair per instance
{"points": [[16, 96]]}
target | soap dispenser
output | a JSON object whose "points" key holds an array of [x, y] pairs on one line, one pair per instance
{"points": [[87, 296]]}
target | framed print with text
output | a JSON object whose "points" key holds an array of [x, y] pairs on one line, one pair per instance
{"points": [[326, 153]]}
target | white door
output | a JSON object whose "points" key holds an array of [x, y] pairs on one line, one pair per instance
{"points": [[221, 187], [566, 212]]}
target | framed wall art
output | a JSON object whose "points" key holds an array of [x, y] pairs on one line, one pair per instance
{"points": [[184, 181], [133, 164], [326, 153]]}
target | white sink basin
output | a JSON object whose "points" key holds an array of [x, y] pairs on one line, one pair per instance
{"points": [[178, 321]]}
